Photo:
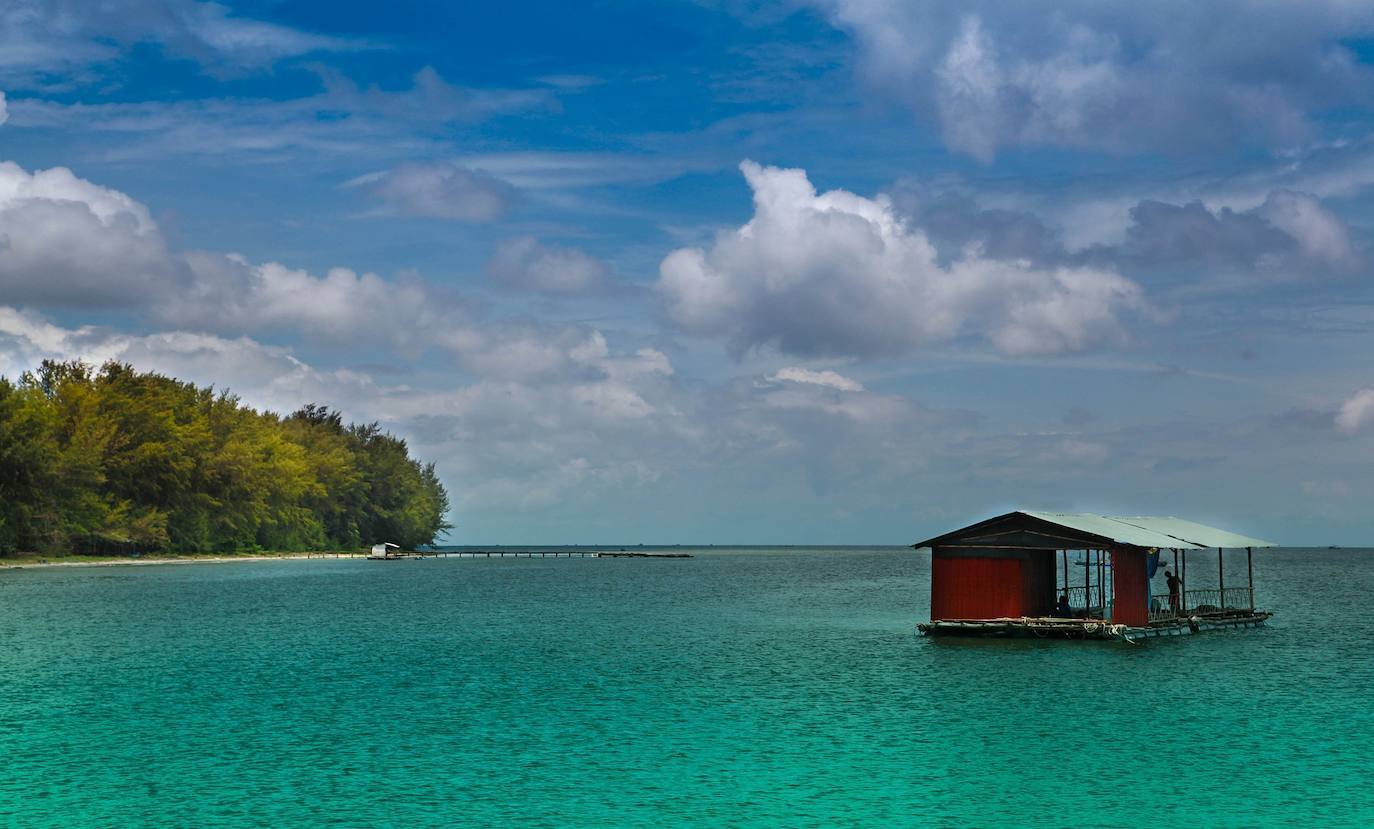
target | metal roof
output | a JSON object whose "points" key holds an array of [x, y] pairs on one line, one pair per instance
{"points": [[1200, 534], [1139, 530], [1117, 530]]}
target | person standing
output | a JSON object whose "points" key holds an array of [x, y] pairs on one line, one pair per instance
{"points": [[1175, 585]]}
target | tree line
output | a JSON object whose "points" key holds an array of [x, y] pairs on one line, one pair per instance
{"points": [[116, 460]]}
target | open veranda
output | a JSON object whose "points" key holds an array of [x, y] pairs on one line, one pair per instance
{"points": [[1085, 576]]}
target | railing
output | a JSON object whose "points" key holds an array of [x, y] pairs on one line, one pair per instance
{"points": [[1238, 598], [1160, 608], [1082, 600], [1202, 601]]}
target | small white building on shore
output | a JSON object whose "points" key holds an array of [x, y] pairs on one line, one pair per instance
{"points": [[384, 550]]}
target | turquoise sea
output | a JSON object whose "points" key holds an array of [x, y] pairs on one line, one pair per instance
{"points": [[739, 688]]}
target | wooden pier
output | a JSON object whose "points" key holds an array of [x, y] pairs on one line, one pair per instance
{"points": [[527, 554], [511, 554]]}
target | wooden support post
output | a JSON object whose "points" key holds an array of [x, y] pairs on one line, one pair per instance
{"points": [[1087, 581], [1064, 557], [1177, 610], [1111, 590], [1221, 579], [1250, 576], [1101, 583], [1183, 584]]}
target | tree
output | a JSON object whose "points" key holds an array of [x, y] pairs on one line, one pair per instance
{"points": [[118, 459]]}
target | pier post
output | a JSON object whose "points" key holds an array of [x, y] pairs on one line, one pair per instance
{"points": [[1177, 574], [1087, 582], [1064, 555], [1102, 582], [1250, 576], [1221, 578], [1183, 582]]}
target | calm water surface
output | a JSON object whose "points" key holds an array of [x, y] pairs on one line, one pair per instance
{"points": [[743, 688]]}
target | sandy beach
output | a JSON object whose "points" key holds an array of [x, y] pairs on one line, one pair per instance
{"points": [[26, 562]]}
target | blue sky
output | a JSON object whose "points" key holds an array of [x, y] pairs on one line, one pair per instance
{"points": [[813, 271]]}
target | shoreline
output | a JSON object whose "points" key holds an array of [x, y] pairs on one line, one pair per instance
{"points": [[24, 563]]}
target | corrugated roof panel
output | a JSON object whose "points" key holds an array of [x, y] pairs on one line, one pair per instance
{"points": [[1199, 534], [1117, 530]]}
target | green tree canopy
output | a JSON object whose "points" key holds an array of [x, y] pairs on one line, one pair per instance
{"points": [[117, 460]]}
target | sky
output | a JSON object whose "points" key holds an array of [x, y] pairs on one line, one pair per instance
{"points": [[729, 271]]}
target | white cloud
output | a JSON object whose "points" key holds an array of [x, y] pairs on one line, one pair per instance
{"points": [[837, 274], [1289, 235], [1357, 412], [1116, 77], [523, 263], [263, 375], [66, 242], [430, 99], [831, 379], [344, 119], [58, 184], [1319, 233], [51, 37], [229, 294], [209, 32], [443, 191]]}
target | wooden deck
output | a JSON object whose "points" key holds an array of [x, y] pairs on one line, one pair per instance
{"points": [[1028, 627], [526, 554]]}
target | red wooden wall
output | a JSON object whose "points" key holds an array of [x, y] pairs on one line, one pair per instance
{"points": [[1038, 574], [1130, 588], [975, 588]]}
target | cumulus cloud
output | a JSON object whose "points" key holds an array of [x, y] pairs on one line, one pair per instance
{"points": [[523, 263], [1320, 234], [1284, 235], [1357, 412], [68, 243], [590, 426], [65, 242], [1117, 77], [955, 221], [442, 191], [231, 295], [837, 274], [228, 293], [612, 423], [264, 375], [1290, 233]]}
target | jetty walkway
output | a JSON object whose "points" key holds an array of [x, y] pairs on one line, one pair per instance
{"points": [[504, 554]]}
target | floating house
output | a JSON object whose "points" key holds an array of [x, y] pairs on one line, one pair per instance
{"points": [[385, 550], [1010, 576]]}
